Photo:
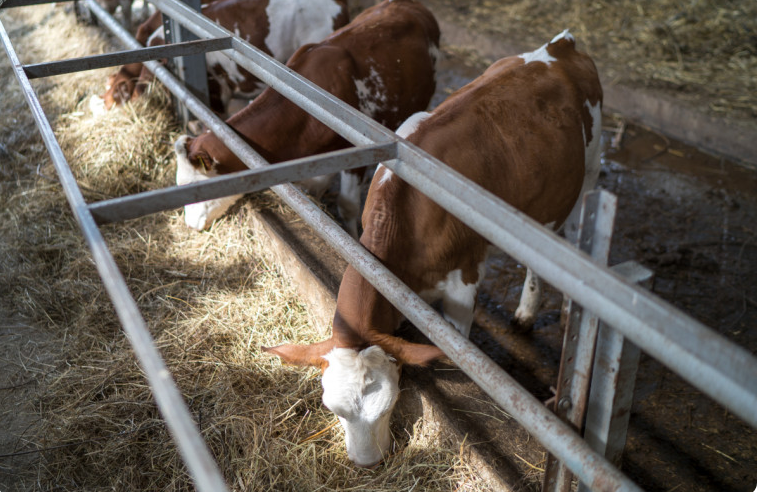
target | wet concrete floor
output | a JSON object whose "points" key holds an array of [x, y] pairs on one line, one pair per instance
{"points": [[691, 218]]}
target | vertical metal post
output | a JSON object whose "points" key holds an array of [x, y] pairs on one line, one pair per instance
{"points": [[594, 237], [614, 372], [190, 69]]}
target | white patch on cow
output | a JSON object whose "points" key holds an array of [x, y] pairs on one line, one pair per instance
{"points": [[592, 168], [593, 146], [293, 23], [219, 59], [406, 129], [239, 35], [563, 35], [349, 201], [384, 173], [539, 55], [361, 388], [158, 33], [200, 215], [458, 298], [409, 126], [372, 95]]}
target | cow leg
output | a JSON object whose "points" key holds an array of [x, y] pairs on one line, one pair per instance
{"points": [[529, 303], [459, 298], [458, 306]]}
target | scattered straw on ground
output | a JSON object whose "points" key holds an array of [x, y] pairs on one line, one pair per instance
{"points": [[209, 299], [702, 51]]}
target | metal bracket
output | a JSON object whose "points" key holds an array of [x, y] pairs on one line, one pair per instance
{"points": [[189, 69], [598, 365], [594, 237], [614, 372]]}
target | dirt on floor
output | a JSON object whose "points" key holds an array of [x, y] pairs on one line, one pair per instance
{"points": [[701, 52]]}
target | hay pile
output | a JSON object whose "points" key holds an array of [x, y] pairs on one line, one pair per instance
{"points": [[703, 51], [209, 299]]}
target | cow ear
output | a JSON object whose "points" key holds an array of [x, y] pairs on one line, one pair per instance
{"points": [[415, 354], [303, 355]]}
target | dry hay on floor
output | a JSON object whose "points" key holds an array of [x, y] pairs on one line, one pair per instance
{"points": [[210, 301], [704, 51]]}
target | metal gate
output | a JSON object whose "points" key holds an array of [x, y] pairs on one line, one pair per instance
{"points": [[717, 367]]}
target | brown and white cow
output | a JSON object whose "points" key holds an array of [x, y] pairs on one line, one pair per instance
{"points": [[382, 63], [277, 27], [527, 130]]}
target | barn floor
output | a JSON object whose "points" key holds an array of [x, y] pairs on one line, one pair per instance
{"points": [[688, 216]]}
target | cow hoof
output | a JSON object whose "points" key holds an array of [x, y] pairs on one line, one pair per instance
{"points": [[522, 323]]}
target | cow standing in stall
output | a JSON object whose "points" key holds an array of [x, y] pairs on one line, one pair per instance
{"points": [[277, 27], [382, 63], [527, 130]]}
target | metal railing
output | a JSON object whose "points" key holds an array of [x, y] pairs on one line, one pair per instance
{"points": [[719, 368]]}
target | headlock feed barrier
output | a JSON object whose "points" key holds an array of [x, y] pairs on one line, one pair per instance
{"points": [[717, 367]]}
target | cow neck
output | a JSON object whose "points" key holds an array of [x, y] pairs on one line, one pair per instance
{"points": [[362, 313], [279, 130]]}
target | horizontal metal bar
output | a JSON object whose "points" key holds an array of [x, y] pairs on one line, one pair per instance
{"points": [[176, 87], [138, 205], [23, 3], [176, 414], [124, 57]]}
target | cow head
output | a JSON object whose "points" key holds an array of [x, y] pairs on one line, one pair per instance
{"points": [[360, 387], [193, 167]]}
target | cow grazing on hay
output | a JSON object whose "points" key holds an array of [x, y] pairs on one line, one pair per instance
{"points": [[277, 27], [528, 130], [382, 63]]}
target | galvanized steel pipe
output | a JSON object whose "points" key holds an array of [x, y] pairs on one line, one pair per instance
{"points": [[717, 367], [191, 445]]}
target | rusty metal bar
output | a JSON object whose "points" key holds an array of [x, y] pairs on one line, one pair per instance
{"points": [[614, 373], [178, 419], [118, 58], [594, 237], [140, 204]]}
